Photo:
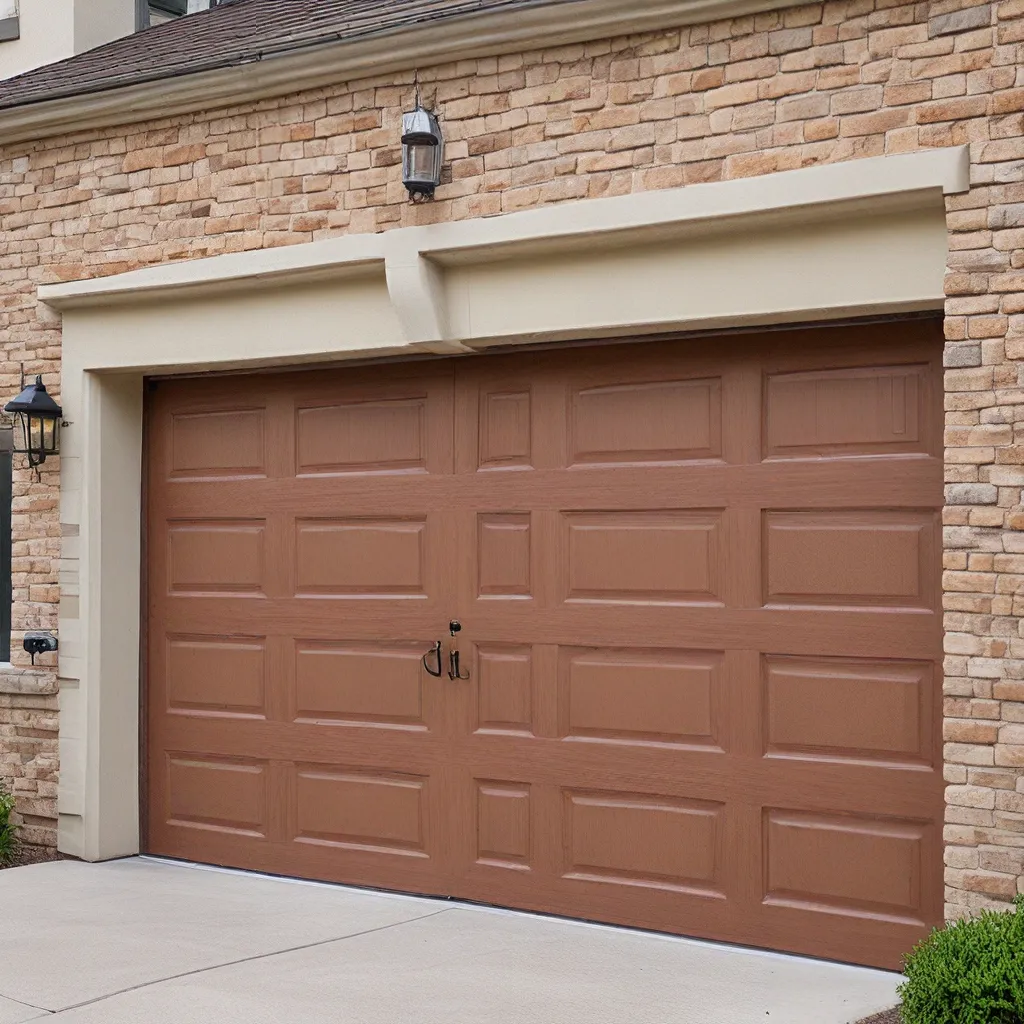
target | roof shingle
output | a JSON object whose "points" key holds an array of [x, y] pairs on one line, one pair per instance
{"points": [[237, 32]]}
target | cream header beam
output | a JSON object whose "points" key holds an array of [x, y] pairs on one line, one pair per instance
{"points": [[426, 275]]}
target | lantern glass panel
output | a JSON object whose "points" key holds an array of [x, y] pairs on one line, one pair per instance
{"points": [[36, 436], [422, 160]]}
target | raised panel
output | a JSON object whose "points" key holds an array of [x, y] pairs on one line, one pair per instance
{"points": [[669, 557], [218, 444], [210, 557], [362, 437], [216, 676], [851, 864], [361, 810], [869, 558], [865, 410], [640, 696], [643, 840], [849, 709], [503, 824], [360, 557], [503, 561], [217, 794], [359, 684], [504, 686], [505, 431], [658, 422]]}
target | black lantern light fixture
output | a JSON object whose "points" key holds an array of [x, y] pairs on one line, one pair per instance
{"points": [[422, 152], [37, 420]]}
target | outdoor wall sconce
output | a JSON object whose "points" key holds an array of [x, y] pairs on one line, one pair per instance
{"points": [[422, 153], [37, 419]]}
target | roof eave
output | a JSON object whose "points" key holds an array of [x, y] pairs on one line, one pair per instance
{"points": [[438, 42]]}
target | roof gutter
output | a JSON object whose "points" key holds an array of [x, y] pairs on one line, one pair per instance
{"points": [[329, 63]]}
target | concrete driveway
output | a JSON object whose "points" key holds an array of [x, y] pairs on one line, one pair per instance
{"points": [[146, 942]]}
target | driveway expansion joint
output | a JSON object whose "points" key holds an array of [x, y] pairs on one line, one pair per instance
{"points": [[240, 960]]}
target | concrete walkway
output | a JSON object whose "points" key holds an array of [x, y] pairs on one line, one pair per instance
{"points": [[145, 942]]}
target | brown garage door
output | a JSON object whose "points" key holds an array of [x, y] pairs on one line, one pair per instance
{"points": [[699, 589]]}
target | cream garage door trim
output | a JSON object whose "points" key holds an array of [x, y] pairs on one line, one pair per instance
{"points": [[825, 242]]}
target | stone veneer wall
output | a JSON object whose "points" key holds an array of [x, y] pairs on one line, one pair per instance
{"points": [[813, 84]]}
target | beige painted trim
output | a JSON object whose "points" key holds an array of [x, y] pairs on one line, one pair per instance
{"points": [[827, 242], [307, 66], [876, 186]]}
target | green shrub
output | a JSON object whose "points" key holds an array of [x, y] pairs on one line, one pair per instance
{"points": [[8, 830], [971, 972]]}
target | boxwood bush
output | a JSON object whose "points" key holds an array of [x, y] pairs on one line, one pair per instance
{"points": [[8, 830], [971, 972]]}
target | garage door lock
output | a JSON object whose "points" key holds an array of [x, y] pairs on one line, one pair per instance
{"points": [[454, 672]]}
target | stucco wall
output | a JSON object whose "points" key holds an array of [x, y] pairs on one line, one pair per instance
{"points": [[820, 83], [51, 30]]}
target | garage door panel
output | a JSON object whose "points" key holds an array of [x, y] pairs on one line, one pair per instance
{"points": [[878, 634], [419, 751], [229, 795], [839, 483], [833, 483], [374, 868], [218, 444], [665, 557], [850, 411], [503, 683], [629, 696], [853, 865], [645, 422], [868, 558], [698, 588], [217, 556], [644, 840], [849, 788], [729, 775], [825, 934], [314, 497], [388, 435], [211, 675], [854, 710], [356, 557], [330, 684], [361, 809], [330, 618]]}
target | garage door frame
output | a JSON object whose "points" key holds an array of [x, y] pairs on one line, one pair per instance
{"points": [[799, 238]]}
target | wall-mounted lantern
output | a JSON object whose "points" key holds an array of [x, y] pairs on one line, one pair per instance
{"points": [[37, 420], [422, 153]]}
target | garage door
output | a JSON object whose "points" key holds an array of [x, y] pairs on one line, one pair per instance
{"points": [[699, 590]]}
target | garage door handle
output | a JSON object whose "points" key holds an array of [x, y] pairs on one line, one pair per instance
{"points": [[435, 653], [454, 672]]}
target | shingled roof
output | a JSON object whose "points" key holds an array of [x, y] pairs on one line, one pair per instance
{"points": [[234, 33]]}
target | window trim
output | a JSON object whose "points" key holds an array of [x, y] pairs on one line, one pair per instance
{"points": [[6, 500]]}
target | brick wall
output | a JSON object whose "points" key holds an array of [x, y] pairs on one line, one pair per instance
{"points": [[28, 751], [813, 84]]}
